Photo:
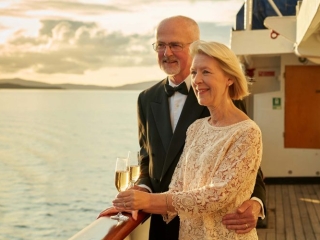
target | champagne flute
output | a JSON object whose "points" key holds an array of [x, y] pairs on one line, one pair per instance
{"points": [[134, 168], [121, 181]]}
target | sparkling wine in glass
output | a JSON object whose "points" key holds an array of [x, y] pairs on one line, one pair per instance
{"points": [[134, 168], [121, 182]]}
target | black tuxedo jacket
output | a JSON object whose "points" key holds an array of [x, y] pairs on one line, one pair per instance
{"points": [[160, 149]]}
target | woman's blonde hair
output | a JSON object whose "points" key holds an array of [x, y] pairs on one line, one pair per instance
{"points": [[228, 62]]}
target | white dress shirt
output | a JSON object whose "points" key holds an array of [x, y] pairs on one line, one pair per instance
{"points": [[176, 103]]}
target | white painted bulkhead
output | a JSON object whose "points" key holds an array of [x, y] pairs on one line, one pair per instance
{"points": [[277, 161], [288, 40]]}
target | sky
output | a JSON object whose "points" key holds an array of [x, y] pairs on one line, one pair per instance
{"points": [[100, 42]]}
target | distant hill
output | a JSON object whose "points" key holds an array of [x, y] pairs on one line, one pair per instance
{"points": [[14, 86], [17, 83]]}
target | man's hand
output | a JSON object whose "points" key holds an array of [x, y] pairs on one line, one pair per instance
{"points": [[245, 219]]}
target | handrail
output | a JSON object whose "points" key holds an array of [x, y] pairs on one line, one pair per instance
{"points": [[123, 229], [106, 228]]}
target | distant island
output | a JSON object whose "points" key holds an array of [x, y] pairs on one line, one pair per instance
{"points": [[17, 83]]}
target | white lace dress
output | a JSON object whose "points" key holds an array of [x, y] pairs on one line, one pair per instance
{"points": [[216, 174]]}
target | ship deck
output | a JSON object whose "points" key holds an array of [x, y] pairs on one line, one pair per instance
{"points": [[293, 212]]}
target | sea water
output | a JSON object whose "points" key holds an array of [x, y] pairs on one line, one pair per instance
{"points": [[57, 158]]}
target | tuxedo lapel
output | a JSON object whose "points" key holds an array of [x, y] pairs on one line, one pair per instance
{"points": [[160, 110], [191, 111]]}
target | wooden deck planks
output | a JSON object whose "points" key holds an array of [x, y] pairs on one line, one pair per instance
{"points": [[293, 212], [279, 214], [299, 234], [305, 214], [287, 210], [312, 204]]}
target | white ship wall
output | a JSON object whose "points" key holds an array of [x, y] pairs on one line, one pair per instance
{"points": [[278, 161]]}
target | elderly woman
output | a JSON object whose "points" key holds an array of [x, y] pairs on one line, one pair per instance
{"points": [[221, 157]]}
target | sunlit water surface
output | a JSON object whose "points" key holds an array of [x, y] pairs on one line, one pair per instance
{"points": [[57, 158]]}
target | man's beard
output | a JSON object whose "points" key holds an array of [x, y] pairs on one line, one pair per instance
{"points": [[170, 70]]}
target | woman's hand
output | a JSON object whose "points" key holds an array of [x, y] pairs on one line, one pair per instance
{"points": [[131, 200], [112, 211], [108, 212]]}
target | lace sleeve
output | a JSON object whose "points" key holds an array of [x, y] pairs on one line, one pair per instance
{"points": [[232, 175]]}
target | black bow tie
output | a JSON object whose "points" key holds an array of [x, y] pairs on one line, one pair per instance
{"points": [[182, 88]]}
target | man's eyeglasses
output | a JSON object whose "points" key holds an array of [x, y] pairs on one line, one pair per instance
{"points": [[174, 46]]}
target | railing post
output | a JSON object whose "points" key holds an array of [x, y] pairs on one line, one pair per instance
{"points": [[248, 14]]}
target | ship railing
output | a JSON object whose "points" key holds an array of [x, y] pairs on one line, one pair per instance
{"points": [[105, 228]]}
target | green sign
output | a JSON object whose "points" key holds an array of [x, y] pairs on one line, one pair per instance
{"points": [[276, 103]]}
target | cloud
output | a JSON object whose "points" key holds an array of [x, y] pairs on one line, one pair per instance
{"points": [[81, 37], [29, 7], [2, 27], [64, 46]]}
